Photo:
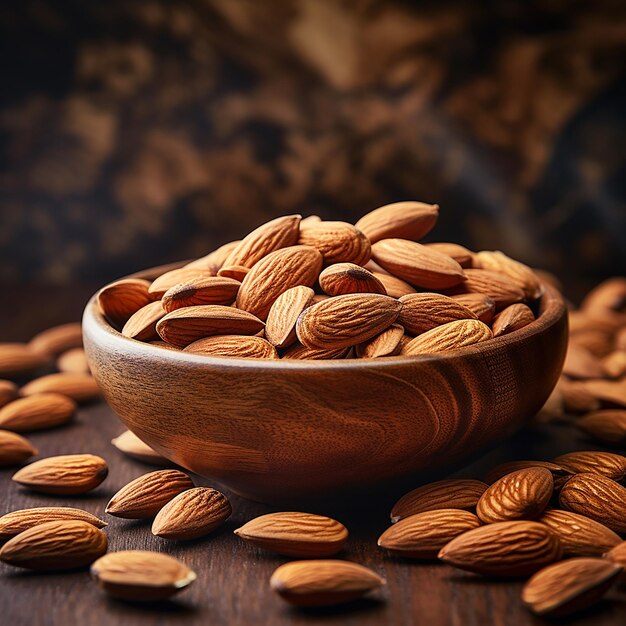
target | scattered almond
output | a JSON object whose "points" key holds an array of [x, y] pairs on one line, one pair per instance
{"points": [[609, 294], [9, 391], [614, 364], [131, 445], [36, 412], [123, 298], [19, 358], [559, 474], [604, 463], [16, 522], [580, 363], [14, 449], [53, 341], [608, 426], [73, 361], [78, 387]]}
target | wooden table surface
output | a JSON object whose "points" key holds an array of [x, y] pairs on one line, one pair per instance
{"points": [[232, 585]]}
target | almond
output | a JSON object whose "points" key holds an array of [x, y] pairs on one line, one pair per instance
{"points": [[56, 545], [280, 327], [73, 361], [295, 534], [323, 582], [234, 272], [9, 391], [570, 586], [559, 474], [614, 364], [274, 274], [599, 343], [522, 494], [450, 336], [310, 220], [596, 497], [425, 311], [579, 535], [131, 445], [14, 449], [516, 548], [16, 522], [342, 278], [512, 318], [418, 265], [460, 254], [386, 343], [141, 576], [211, 290], [281, 232], [142, 324], [406, 220], [519, 274], [214, 260], [338, 242], [192, 514], [604, 320], [580, 363], [576, 397], [422, 536], [483, 307], [43, 410], [66, 475], [234, 346], [57, 339], [123, 298], [609, 294], [19, 358], [608, 426], [617, 554], [299, 352], [147, 495], [394, 287], [78, 387], [184, 326], [346, 320], [494, 285], [170, 279], [604, 463], [607, 392], [452, 493]]}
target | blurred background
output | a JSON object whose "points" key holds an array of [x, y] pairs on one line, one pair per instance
{"points": [[137, 133]]}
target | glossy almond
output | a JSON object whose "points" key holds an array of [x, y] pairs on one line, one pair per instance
{"points": [[123, 298], [570, 586], [9, 391], [338, 242], [280, 327], [274, 274], [299, 352], [394, 286], [512, 318], [579, 535], [56, 545], [142, 324], [346, 320], [596, 497], [516, 548], [192, 514], [423, 535], [405, 220], [14, 449], [386, 343], [323, 582], [53, 341], [233, 346], [68, 474], [295, 534], [131, 445], [275, 234], [80, 387], [452, 493], [184, 326], [19, 358], [215, 259], [483, 307], [559, 474], [16, 522], [342, 278], [147, 495], [416, 264], [519, 274], [36, 412], [163, 283], [425, 311], [450, 336], [141, 576], [494, 285], [580, 363], [604, 463], [608, 426], [460, 254], [211, 290], [522, 494], [73, 361]]}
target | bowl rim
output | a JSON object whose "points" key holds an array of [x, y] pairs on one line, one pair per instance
{"points": [[551, 309]]}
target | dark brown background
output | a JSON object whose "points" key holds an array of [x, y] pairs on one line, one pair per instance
{"points": [[134, 133]]}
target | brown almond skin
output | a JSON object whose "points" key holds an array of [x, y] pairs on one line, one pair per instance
{"points": [[596, 497], [234, 272], [9, 391], [338, 242], [300, 352], [519, 274], [132, 446], [394, 286], [58, 339], [494, 285], [425, 311], [79, 387], [122, 299], [191, 514], [559, 474], [512, 318], [280, 327], [69, 474], [141, 325], [214, 260], [522, 494], [450, 336], [342, 278], [483, 307], [452, 493], [166, 281], [460, 254], [608, 426], [56, 545], [517, 548], [604, 463], [580, 363], [295, 534], [421, 536], [14, 449], [199, 291], [16, 522], [73, 361], [570, 586], [384, 344], [145, 496], [609, 295], [37, 412], [234, 346], [141, 576], [579, 535], [19, 358], [323, 582], [611, 392]]}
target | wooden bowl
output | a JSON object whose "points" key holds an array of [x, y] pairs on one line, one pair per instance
{"points": [[280, 431]]}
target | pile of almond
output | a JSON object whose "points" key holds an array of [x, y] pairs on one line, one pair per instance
{"points": [[311, 289]]}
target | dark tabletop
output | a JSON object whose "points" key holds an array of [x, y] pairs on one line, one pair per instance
{"points": [[232, 585]]}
